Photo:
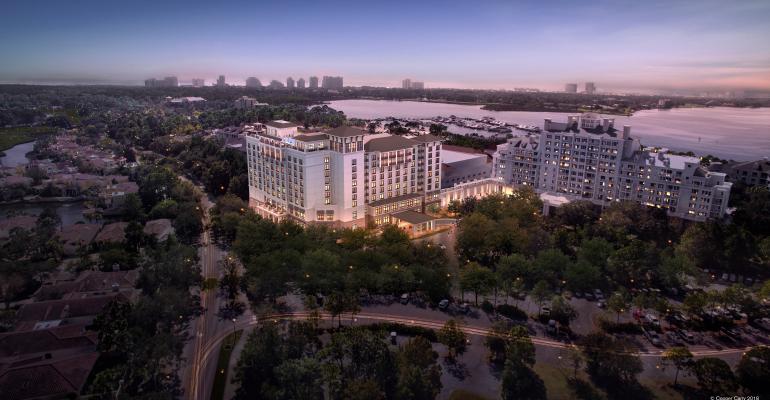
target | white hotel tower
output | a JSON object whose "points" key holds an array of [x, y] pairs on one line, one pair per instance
{"points": [[340, 176]]}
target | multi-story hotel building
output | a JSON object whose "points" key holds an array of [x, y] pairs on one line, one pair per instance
{"points": [[587, 158], [340, 176]]}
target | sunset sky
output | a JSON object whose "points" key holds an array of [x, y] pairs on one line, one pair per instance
{"points": [[634, 45]]}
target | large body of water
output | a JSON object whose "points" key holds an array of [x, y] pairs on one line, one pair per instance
{"points": [[733, 133]]}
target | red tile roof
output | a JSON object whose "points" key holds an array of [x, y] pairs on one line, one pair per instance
{"points": [[58, 377]]}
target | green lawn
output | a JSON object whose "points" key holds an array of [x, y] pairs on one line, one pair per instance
{"points": [[461, 394], [10, 137], [555, 381], [223, 363]]}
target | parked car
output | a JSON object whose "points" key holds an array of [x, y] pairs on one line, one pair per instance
{"points": [[443, 304], [652, 319], [674, 339], [589, 296], [598, 294], [405, 298], [601, 304], [578, 294], [762, 323], [730, 334], [687, 336], [653, 337], [545, 311], [465, 308]]}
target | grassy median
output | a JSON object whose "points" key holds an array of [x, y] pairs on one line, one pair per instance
{"points": [[223, 365]]}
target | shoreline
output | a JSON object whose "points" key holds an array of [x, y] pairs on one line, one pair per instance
{"points": [[507, 107]]}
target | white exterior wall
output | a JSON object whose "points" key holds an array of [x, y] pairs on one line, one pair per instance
{"points": [[603, 168]]}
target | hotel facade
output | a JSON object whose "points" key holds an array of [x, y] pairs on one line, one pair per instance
{"points": [[342, 176], [586, 158]]}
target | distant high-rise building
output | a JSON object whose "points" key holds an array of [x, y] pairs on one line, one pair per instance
{"points": [[198, 82], [169, 81], [253, 82], [290, 83], [221, 81], [406, 84], [274, 84], [332, 82], [570, 88], [314, 82], [590, 88], [418, 85], [301, 83]]}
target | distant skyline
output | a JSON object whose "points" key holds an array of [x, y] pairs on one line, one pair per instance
{"points": [[621, 45]]}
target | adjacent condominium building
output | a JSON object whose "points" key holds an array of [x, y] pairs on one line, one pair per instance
{"points": [[313, 82], [587, 158], [342, 176]]}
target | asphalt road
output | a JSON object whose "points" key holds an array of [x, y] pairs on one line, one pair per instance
{"points": [[210, 348]]}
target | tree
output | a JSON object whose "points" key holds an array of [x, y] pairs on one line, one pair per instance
{"points": [[511, 269], [680, 357], [156, 185], [540, 293], [753, 370], [519, 347], [112, 327], [696, 302], [188, 225], [562, 311], [419, 376], [453, 338], [618, 303], [358, 354], [299, 379], [610, 359], [477, 238], [135, 237], [496, 341], [229, 289], [630, 263], [575, 359], [582, 276], [478, 279], [255, 372], [549, 266], [336, 304], [132, 208], [714, 376], [520, 382]]}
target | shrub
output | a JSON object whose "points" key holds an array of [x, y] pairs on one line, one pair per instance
{"points": [[621, 327], [511, 312], [487, 307]]}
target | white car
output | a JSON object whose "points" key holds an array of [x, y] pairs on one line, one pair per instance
{"points": [[652, 319]]}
